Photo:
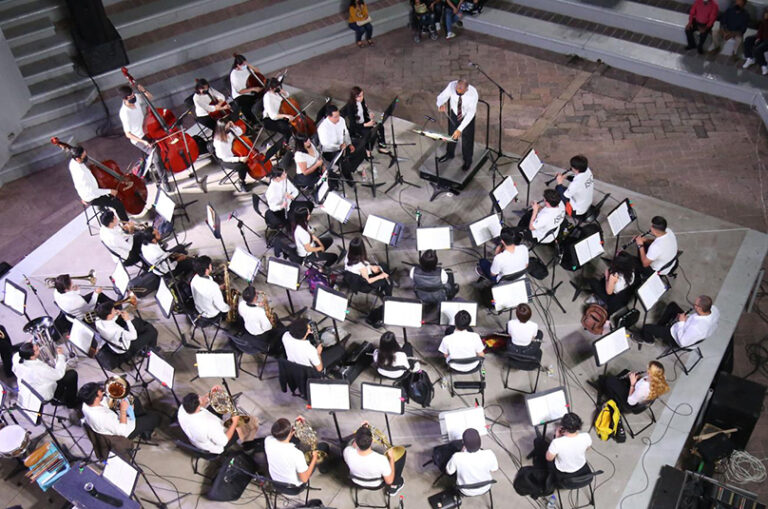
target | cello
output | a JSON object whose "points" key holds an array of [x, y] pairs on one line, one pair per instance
{"points": [[256, 79], [131, 190], [223, 112], [301, 123], [258, 165], [177, 150]]}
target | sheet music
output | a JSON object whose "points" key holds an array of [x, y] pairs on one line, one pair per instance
{"points": [[81, 336], [120, 278], [164, 205], [14, 298], [485, 229], [120, 473], [323, 188], [448, 310], [530, 165], [509, 295], [505, 192], [546, 408], [337, 207], [282, 275], [612, 345], [433, 238], [381, 398], [329, 396], [210, 216], [216, 365], [378, 228], [454, 422], [162, 370], [244, 264], [402, 314], [589, 248], [651, 291], [619, 218], [164, 298], [330, 304]]}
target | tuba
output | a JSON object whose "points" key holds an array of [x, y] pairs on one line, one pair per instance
{"points": [[116, 389], [380, 438], [222, 403], [40, 329], [231, 296], [308, 438]]}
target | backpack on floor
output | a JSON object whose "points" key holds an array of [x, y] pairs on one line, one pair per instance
{"points": [[594, 319], [420, 388], [314, 278], [531, 482], [607, 422]]}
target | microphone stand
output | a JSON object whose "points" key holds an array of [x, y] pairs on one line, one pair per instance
{"points": [[498, 153], [240, 226]]}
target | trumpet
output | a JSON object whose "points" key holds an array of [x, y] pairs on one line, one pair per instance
{"points": [[308, 438], [380, 438], [50, 282], [222, 403]]}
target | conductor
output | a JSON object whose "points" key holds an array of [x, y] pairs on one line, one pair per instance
{"points": [[459, 100]]}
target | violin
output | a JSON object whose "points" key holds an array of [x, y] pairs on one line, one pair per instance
{"points": [[258, 165], [131, 190], [301, 123], [177, 150]]}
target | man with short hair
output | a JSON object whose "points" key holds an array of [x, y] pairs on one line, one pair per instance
{"points": [[299, 350], [204, 429], [131, 422], [163, 262], [733, 23], [511, 257], [260, 334], [334, 136], [701, 18], [124, 245], [287, 464], [131, 115], [688, 328], [370, 467], [124, 336], [462, 343], [459, 101], [472, 465], [543, 223], [88, 188], [656, 254], [68, 298], [581, 190], [206, 293]]}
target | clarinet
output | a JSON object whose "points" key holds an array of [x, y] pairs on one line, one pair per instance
{"points": [[566, 172], [625, 246]]}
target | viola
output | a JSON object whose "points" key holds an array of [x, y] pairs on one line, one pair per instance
{"points": [[131, 190], [301, 123], [258, 165], [177, 150]]}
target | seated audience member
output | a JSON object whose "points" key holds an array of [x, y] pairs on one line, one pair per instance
{"points": [[125, 246], [580, 191], [390, 356], [542, 223], [453, 15], [431, 283], [733, 23], [613, 290], [299, 350], [308, 246], [423, 15], [755, 46], [472, 465], [375, 276], [360, 21], [260, 334], [688, 328], [68, 298], [287, 464], [131, 422], [568, 450], [701, 18], [462, 344], [511, 257], [49, 382], [629, 389], [522, 333], [372, 468], [656, 254], [124, 336]]}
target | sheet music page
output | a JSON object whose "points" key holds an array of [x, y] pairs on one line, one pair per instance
{"points": [[509, 295], [549, 407], [162, 370], [164, 297], [485, 229], [282, 275], [120, 278], [331, 304], [14, 298], [433, 238], [589, 248], [619, 218], [210, 217], [505, 192], [120, 474], [215, 365], [81, 336], [378, 228], [402, 314], [381, 398], [457, 421], [448, 310], [329, 396], [611, 345], [531, 165], [651, 291], [244, 264], [337, 207], [165, 206]]}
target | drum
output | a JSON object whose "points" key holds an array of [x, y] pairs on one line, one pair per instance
{"points": [[14, 441]]}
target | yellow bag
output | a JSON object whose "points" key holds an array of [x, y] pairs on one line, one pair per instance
{"points": [[607, 422]]}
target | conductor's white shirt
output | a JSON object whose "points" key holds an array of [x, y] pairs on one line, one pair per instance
{"points": [[546, 220], [203, 104], [104, 421], [85, 183], [204, 430], [254, 318], [209, 301], [276, 192], [695, 328], [333, 136], [580, 192], [73, 303], [468, 103], [38, 375], [118, 337]]}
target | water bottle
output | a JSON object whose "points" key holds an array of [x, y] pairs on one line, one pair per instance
{"points": [[552, 502]]}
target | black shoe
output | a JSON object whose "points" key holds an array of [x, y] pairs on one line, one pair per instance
{"points": [[445, 158], [459, 23], [465, 166], [700, 50]]}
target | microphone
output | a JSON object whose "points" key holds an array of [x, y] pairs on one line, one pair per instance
{"points": [[430, 118]]}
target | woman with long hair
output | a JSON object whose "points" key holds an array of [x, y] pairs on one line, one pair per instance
{"points": [[223, 137], [390, 356], [613, 289], [629, 389], [360, 21], [357, 263], [308, 246], [309, 162], [359, 120]]}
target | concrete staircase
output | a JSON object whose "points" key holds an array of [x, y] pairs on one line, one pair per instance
{"points": [[169, 43]]}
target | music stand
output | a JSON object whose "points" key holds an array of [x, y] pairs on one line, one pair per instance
{"points": [[510, 294], [619, 218], [81, 336], [386, 231], [650, 292], [124, 475], [485, 229], [120, 279], [448, 310], [394, 159], [502, 195], [546, 407], [285, 274], [584, 251], [340, 209], [166, 300], [166, 208], [244, 265], [331, 395], [403, 313], [529, 167], [333, 304], [216, 364], [214, 224], [434, 237], [162, 371], [387, 399], [15, 299], [453, 423], [610, 346]]}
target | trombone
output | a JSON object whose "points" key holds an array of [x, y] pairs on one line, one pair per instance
{"points": [[50, 282]]}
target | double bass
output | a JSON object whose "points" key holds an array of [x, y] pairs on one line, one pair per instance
{"points": [[258, 165], [177, 150], [131, 190]]}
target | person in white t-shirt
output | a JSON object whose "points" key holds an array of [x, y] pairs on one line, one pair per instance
{"points": [[472, 465], [224, 136], [308, 246], [274, 120], [287, 464], [369, 468], [392, 360], [204, 429], [524, 334], [511, 257], [309, 162], [568, 450], [462, 344], [657, 254], [247, 98], [687, 328], [132, 114], [629, 389], [543, 223], [299, 349], [614, 289], [208, 103], [581, 189]]}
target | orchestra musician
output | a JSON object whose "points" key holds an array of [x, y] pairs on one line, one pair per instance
{"points": [[132, 114], [580, 191], [472, 465], [162, 262], [371, 468], [568, 450], [224, 136], [657, 254], [287, 464], [124, 336], [48, 381], [206, 293], [88, 188], [123, 243], [543, 223], [272, 118], [309, 162], [308, 246], [334, 136], [511, 257], [374, 277], [69, 300], [243, 95], [203, 97], [462, 343], [677, 328], [261, 335], [459, 102], [282, 199], [129, 421], [359, 120], [299, 349], [202, 427]]}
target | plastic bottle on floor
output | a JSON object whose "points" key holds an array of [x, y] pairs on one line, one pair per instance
{"points": [[552, 502]]}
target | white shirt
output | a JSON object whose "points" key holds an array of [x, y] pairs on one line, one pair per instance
{"points": [[223, 149], [238, 80], [695, 328], [472, 468], [359, 112], [85, 183], [641, 392], [621, 283], [301, 237], [73, 303], [468, 102], [133, 118], [332, 136], [510, 262], [254, 318], [462, 345], [300, 351], [546, 220], [306, 158], [370, 466], [203, 104], [443, 275], [209, 301], [570, 452], [104, 421], [285, 461], [400, 362], [204, 430], [522, 333], [580, 192], [39, 375], [276, 192], [116, 240], [119, 339], [158, 257], [357, 267], [272, 102], [661, 251]]}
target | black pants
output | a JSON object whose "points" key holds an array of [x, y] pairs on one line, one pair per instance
{"points": [[695, 26], [134, 255], [281, 126], [110, 201], [661, 329], [240, 168], [7, 349], [382, 286], [301, 180], [399, 467], [332, 355], [754, 49], [280, 219], [467, 139], [523, 226], [348, 163], [613, 302], [247, 104], [616, 388], [363, 132], [146, 421], [206, 121], [323, 257], [66, 389], [267, 342]]}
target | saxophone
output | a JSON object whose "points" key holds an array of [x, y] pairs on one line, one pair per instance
{"points": [[263, 301], [231, 296]]}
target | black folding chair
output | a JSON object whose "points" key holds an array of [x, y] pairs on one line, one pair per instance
{"points": [[677, 351], [577, 483], [356, 487], [478, 386]]}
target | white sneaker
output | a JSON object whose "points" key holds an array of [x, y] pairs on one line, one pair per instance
{"points": [[764, 69], [748, 63], [450, 35]]}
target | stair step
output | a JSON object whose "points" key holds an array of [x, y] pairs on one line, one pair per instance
{"points": [[24, 33], [40, 70], [58, 43], [58, 107], [39, 135], [57, 86], [23, 13]]}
